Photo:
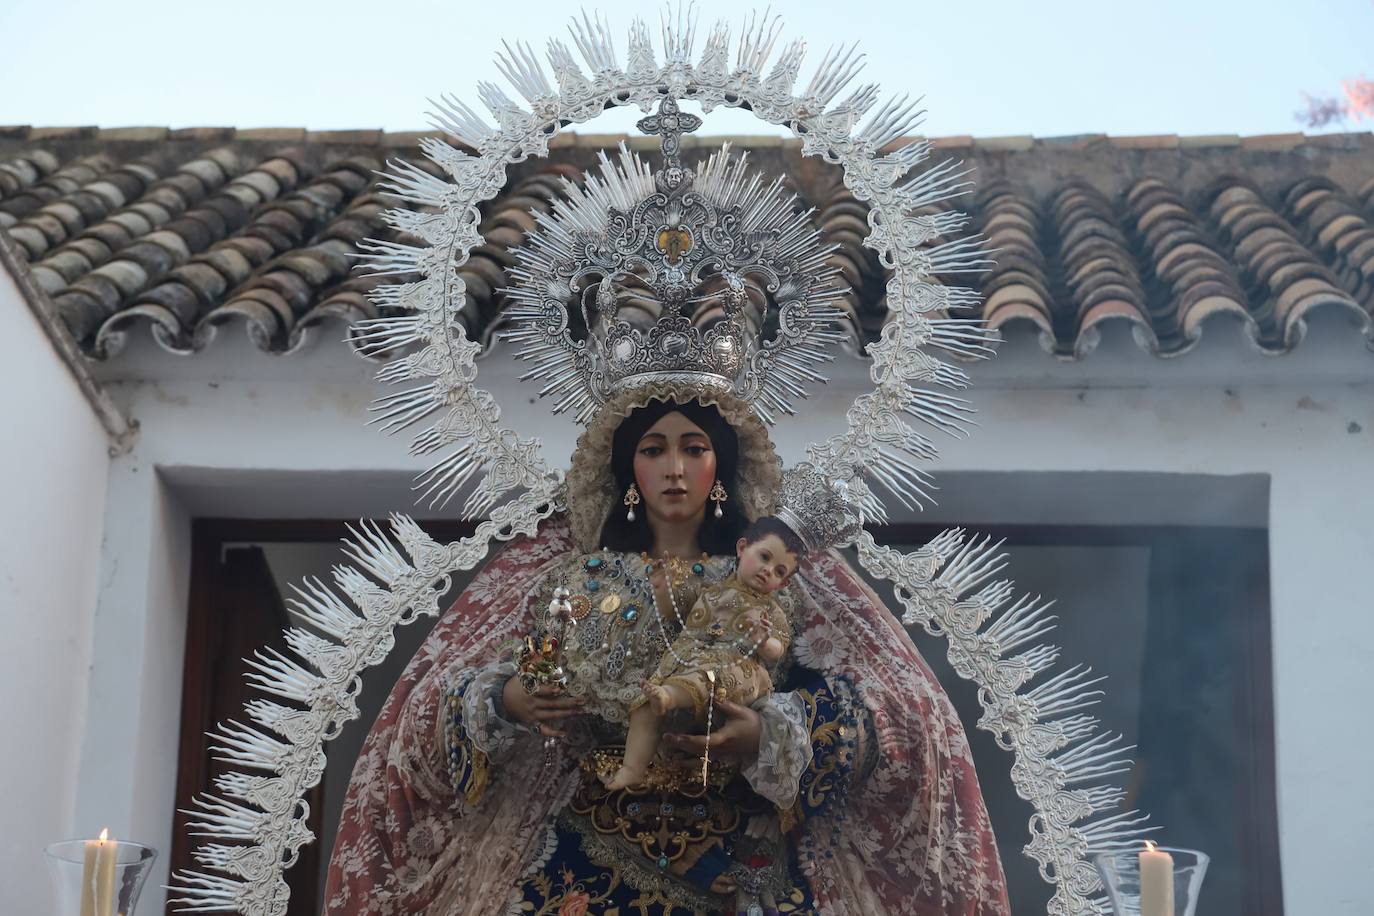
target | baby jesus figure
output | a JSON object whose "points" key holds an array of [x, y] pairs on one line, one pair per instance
{"points": [[733, 627]]}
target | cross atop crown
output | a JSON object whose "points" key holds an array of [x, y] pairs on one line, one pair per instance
{"points": [[670, 124]]}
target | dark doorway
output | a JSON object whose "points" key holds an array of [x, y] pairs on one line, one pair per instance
{"points": [[240, 572]]}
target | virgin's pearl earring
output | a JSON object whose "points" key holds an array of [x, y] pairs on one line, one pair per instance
{"points": [[631, 500], [718, 496]]}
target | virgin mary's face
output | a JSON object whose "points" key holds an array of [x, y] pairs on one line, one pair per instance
{"points": [[675, 467]]}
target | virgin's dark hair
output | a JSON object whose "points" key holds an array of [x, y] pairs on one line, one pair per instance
{"points": [[716, 536]]}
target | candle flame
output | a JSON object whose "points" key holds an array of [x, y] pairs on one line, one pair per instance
{"points": [[105, 835], [1149, 846]]}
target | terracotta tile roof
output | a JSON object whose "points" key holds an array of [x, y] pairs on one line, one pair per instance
{"points": [[185, 231]]}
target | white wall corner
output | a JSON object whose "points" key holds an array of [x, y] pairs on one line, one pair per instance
{"points": [[53, 480], [129, 753]]}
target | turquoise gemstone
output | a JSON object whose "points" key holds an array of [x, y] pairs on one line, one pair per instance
{"points": [[662, 861], [630, 613], [593, 585], [594, 563], [698, 568]]}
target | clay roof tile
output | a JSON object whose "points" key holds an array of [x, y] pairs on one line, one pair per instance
{"points": [[1160, 234]]}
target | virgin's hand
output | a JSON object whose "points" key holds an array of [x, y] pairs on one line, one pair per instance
{"points": [[544, 709], [735, 732]]}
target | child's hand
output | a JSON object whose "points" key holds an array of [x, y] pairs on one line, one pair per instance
{"points": [[771, 649]]}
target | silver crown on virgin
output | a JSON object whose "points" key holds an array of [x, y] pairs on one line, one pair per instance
{"points": [[821, 510], [640, 276]]}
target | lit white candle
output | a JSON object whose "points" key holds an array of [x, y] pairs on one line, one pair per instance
{"points": [[98, 876], [1156, 882]]}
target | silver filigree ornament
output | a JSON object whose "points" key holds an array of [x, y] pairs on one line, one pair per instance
{"points": [[256, 819], [821, 510]]}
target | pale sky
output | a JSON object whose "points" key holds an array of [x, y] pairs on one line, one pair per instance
{"points": [[985, 67]]}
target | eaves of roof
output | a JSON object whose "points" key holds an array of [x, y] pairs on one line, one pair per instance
{"points": [[120, 429], [181, 232]]}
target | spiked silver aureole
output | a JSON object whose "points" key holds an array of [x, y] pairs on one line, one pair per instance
{"points": [[950, 586]]}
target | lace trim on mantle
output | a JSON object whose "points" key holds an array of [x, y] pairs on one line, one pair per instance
{"points": [[784, 749]]}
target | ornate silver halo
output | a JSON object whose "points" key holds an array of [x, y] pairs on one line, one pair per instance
{"points": [[948, 586]]}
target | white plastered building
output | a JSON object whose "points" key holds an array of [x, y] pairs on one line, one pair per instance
{"points": [[107, 462]]}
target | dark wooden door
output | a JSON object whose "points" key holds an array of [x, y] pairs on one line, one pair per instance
{"points": [[235, 611]]}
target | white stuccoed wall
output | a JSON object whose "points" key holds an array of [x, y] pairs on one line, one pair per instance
{"points": [[236, 432], [53, 469]]}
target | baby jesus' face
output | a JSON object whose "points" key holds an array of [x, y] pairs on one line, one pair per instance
{"points": [[766, 564]]}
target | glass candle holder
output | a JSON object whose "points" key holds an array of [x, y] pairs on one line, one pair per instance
{"points": [[92, 881], [1174, 894]]}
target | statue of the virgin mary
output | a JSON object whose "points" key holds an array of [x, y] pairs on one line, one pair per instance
{"points": [[676, 309], [848, 789]]}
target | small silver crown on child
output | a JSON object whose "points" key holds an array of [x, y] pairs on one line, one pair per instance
{"points": [[672, 272], [820, 510]]}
